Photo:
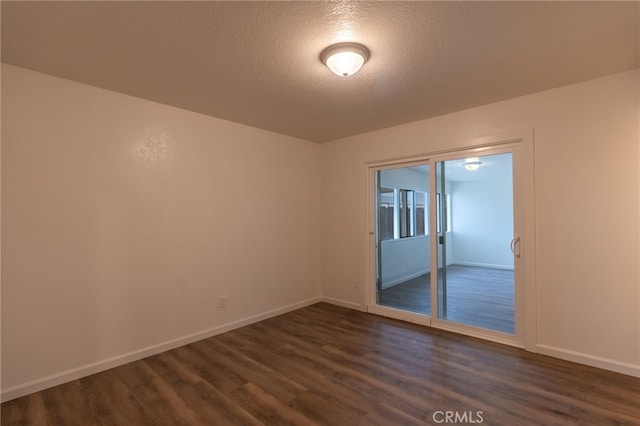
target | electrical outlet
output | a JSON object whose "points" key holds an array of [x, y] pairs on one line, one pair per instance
{"points": [[222, 302], [356, 283]]}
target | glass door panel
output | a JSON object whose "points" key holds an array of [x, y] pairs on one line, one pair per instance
{"points": [[475, 229], [402, 239]]}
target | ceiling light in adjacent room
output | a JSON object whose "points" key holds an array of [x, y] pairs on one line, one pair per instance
{"points": [[472, 164], [345, 59]]}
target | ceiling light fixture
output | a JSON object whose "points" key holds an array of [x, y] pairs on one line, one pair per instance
{"points": [[471, 164], [345, 59]]}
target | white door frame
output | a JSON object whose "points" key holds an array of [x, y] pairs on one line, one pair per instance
{"points": [[521, 144]]}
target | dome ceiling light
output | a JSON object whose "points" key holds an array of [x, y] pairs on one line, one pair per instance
{"points": [[472, 164], [345, 59]]}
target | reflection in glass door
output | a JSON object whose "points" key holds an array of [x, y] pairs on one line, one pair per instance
{"points": [[475, 278], [402, 239]]}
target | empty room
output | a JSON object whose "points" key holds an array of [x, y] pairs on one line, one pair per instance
{"points": [[320, 213]]}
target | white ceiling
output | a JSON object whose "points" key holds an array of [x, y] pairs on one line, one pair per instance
{"points": [[257, 62]]}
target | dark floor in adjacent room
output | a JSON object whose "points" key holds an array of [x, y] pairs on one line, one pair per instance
{"points": [[477, 296]]}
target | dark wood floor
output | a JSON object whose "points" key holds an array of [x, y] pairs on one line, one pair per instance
{"points": [[327, 365], [477, 296]]}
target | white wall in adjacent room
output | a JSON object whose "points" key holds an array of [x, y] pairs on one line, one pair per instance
{"points": [[482, 223]]}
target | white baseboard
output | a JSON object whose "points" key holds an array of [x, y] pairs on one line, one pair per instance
{"points": [[343, 303], [404, 278], [591, 360], [484, 265], [86, 370]]}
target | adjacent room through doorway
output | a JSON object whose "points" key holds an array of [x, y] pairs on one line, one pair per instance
{"points": [[467, 216]]}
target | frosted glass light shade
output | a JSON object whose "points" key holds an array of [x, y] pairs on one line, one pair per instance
{"points": [[345, 59], [472, 164]]}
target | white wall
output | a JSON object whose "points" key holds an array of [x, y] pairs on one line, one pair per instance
{"points": [[482, 223], [404, 258], [404, 178], [586, 209], [124, 221]]}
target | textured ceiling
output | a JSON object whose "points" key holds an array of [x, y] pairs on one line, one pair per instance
{"points": [[257, 62]]}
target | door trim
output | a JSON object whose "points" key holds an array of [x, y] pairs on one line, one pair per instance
{"points": [[516, 339], [524, 196]]}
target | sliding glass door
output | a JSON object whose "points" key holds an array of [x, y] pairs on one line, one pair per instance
{"points": [[475, 277], [445, 242]]}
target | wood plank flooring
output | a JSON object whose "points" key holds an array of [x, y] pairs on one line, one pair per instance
{"points": [[476, 296], [326, 365]]}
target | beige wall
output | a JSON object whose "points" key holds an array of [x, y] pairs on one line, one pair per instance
{"points": [[586, 209], [125, 220]]}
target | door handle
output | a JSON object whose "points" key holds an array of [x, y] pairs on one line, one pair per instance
{"points": [[515, 246]]}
